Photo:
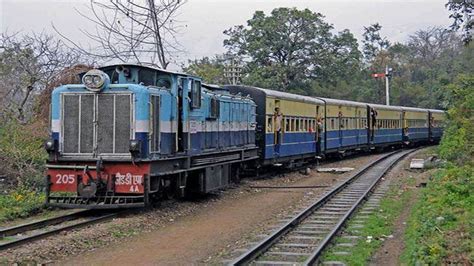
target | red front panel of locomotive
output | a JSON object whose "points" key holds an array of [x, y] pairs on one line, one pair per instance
{"points": [[124, 178]]}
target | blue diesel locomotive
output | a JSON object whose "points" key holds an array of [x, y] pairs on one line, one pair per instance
{"points": [[130, 134]]}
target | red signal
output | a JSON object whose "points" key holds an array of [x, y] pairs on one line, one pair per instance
{"points": [[378, 75]]}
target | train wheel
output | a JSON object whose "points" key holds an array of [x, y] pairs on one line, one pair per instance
{"points": [[168, 189]]}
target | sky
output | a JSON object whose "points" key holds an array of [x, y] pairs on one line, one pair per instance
{"points": [[205, 20]]}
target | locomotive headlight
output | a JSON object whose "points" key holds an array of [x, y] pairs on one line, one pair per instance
{"points": [[134, 146], [95, 80], [49, 145]]}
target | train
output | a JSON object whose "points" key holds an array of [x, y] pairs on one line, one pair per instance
{"points": [[130, 135]]}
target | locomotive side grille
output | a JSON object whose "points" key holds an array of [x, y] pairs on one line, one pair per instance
{"points": [[105, 124], [122, 123], [87, 124], [111, 132], [71, 123]]}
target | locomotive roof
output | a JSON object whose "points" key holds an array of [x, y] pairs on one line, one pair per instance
{"points": [[149, 67]]}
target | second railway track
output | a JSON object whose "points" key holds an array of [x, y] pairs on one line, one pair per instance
{"points": [[301, 240], [27, 233]]}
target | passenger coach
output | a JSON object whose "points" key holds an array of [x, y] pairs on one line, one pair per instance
{"points": [[288, 127]]}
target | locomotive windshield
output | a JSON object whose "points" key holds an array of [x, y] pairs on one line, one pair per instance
{"points": [[134, 74]]}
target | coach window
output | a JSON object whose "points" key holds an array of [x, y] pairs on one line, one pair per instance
{"points": [[270, 124], [287, 125], [196, 94]]}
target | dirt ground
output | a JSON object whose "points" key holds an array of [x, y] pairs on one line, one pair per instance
{"points": [[390, 251], [183, 233]]}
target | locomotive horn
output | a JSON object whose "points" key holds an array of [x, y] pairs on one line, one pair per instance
{"points": [[124, 70]]}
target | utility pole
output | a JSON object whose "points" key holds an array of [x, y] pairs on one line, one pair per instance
{"points": [[388, 74], [233, 71]]}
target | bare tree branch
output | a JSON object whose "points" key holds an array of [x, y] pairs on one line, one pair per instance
{"points": [[140, 30], [29, 63]]}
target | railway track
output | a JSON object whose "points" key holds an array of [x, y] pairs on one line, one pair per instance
{"points": [[302, 238], [26, 233]]}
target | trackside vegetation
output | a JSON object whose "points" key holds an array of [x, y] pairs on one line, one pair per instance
{"points": [[440, 228], [22, 159], [377, 227]]}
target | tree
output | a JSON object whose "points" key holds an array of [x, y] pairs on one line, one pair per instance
{"points": [[211, 70], [28, 64], [430, 44], [289, 48], [373, 42], [126, 30], [462, 16]]}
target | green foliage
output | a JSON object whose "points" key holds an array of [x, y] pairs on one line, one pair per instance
{"points": [[296, 51], [373, 42], [457, 145], [211, 70], [441, 225], [289, 48], [22, 154], [461, 12], [20, 203]]}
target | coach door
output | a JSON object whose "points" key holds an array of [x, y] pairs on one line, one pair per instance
{"points": [[318, 129], [370, 131], [430, 125], [356, 125], [404, 126], [340, 125]]}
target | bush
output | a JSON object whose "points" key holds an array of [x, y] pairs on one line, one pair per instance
{"points": [[22, 154], [20, 203]]}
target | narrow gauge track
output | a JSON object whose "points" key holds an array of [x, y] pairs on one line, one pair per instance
{"points": [[27, 233], [301, 240]]}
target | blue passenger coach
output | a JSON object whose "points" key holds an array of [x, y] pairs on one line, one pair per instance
{"points": [[415, 125], [290, 126], [385, 124], [345, 125]]}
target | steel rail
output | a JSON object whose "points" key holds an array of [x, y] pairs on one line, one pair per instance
{"points": [[9, 231], [269, 241], [40, 235], [313, 258]]}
